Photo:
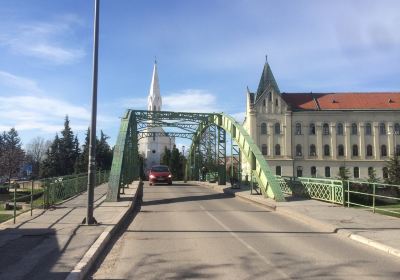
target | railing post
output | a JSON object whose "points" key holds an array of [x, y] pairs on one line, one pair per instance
{"points": [[348, 194], [31, 197], [343, 196], [15, 201], [373, 197]]}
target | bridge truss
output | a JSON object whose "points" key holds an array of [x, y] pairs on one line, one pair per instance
{"points": [[208, 149]]}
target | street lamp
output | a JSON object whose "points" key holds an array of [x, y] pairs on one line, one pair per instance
{"points": [[90, 220]]}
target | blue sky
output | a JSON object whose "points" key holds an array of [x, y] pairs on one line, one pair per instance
{"points": [[207, 51]]}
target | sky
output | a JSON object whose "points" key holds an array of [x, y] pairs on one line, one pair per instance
{"points": [[208, 52]]}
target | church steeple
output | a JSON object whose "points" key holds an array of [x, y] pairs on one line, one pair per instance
{"points": [[154, 101], [267, 79]]}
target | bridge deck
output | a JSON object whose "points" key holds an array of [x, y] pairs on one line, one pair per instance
{"points": [[187, 231]]}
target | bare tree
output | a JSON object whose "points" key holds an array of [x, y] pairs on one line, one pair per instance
{"points": [[36, 152]]}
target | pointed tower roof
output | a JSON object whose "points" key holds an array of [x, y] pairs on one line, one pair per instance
{"points": [[154, 99], [267, 79]]}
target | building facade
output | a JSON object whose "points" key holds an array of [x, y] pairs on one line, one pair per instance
{"points": [[316, 134], [152, 148]]}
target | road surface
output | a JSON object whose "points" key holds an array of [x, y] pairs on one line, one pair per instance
{"points": [[187, 231]]}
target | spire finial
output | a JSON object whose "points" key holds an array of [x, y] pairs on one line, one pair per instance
{"points": [[266, 58], [155, 59]]}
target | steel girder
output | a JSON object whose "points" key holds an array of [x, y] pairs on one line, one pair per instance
{"points": [[125, 165], [260, 169]]}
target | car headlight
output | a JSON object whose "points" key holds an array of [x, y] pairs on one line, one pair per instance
{"points": [[169, 176], [152, 176]]}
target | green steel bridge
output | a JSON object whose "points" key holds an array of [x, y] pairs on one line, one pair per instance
{"points": [[208, 132]]}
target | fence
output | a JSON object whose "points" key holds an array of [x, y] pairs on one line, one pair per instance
{"points": [[46, 192], [379, 197]]}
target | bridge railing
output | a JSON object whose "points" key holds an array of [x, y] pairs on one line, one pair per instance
{"points": [[378, 197], [43, 193]]}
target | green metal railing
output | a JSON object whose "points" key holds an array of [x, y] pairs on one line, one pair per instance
{"points": [[379, 197], [47, 192]]}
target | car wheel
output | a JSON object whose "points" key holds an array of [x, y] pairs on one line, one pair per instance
{"points": [[169, 183]]}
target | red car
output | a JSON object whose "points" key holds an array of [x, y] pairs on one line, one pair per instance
{"points": [[160, 174]]}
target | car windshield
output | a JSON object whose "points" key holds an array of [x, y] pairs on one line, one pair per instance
{"points": [[160, 169]]}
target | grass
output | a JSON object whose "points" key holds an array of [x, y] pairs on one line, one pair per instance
{"points": [[5, 217]]}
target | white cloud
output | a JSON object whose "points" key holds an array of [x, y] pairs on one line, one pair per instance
{"points": [[190, 100], [239, 117], [50, 41], [18, 83]]}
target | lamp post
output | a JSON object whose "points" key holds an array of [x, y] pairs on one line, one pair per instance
{"points": [[184, 165], [90, 220]]}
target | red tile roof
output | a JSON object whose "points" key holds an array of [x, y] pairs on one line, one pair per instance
{"points": [[343, 101]]}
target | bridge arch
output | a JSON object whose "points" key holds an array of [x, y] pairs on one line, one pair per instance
{"points": [[125, 165]]}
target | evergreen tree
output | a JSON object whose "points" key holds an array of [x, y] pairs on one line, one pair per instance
{"points": [[344, 173], [175, 163], [11, 154], [83, 161], [68, 149], [103, 153], [372, 178], [166, 157], [394, 170], [53, 164]]}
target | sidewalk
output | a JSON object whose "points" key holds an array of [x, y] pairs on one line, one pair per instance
{"points": [[52, 243], [378, 231]]}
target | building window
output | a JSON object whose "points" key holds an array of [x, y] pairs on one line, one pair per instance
{"points": [[264, 102], [325, 129], [298, 128], [278, 170], [312, 129], [263, 128], [154, 136], [397, 150], [355, 151], [313, 150], [354, 129], [382, 129], [341, 151], [264, 149], [369, 151], [327, 172], [385, 173], [397, 128], [298, 150], [277, 150], [340, 129], [277, 128], [383, 151], [327, 151], [313, 171], [370, 171], [299, 171], [270, 97], [356, 172], [368, 129], [276, 102]]}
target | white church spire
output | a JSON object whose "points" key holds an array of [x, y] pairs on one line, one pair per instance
{"points": [[154, 101]]}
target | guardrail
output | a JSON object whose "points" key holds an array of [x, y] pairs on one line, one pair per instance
{"points": [[46, 192]]}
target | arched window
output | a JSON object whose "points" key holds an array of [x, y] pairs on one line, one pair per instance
{"points": [[385, 173], [263, 128], [356, 172], [354, 129], [397, 128], [299, 171], [313, 171], [264, 149], [277, 128], [369, 151], [276, 102], [278, 170], [327, 171], [341, 151], [327, 151], [383, 151], [325, 129], [371, 171], [382, 129], [397, 151], [355, 151], [264, 102], [313, 150], [298, 128], [312, 129], [368, 129], [270, 97], [277, 150], [298, 150], [339, 129]]}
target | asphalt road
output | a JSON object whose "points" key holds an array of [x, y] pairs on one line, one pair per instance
{"points": [[185, 231]]}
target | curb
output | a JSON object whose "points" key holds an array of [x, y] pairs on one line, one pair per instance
{"points": [[313, 222], [85, 264]]}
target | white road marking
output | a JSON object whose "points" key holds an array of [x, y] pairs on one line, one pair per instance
{"points": [[247, 245]]}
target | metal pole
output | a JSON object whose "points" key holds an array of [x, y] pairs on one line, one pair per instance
{"points": [[31, 197], [90, 220]]}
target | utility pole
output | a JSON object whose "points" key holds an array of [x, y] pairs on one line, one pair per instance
{"points": [[90, 220]]}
